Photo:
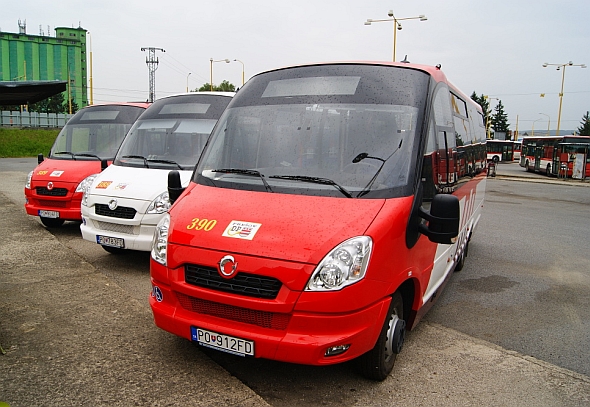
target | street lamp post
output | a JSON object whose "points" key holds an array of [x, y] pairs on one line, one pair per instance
{"points": [[242, 70], [396, 25], [560, 66], [189, 74], [227, 61], [548, 122], [533, 129], [90, 65], [488, 124]]}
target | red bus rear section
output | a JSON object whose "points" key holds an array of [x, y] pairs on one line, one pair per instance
{"points": [[330, 206]]}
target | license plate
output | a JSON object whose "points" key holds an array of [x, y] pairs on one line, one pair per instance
{"points": [[49, 214], [110, 241], [225, 343]]}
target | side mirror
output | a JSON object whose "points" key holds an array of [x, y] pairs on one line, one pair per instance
{"points": [[103, 164], [40, 158], [443, 219], [175, 188]]}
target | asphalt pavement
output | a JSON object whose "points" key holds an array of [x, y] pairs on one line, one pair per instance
{"points": [[72, 337]]}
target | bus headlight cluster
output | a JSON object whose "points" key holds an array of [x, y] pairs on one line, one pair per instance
{"points": [[160, 242], [160, 204], [84, 186], [28, 183], [346, 264]]}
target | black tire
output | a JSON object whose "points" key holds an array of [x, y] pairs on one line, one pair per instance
{"points": [[52, 222], [496, 159], [526, 166], [548, 170], [114, 250], [377, 363], [461, 261]]}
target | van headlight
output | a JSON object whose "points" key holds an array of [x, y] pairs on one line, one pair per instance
{"points": [[86, 182], [160, 204], [28, 183], [160, 242], [346, 264]]}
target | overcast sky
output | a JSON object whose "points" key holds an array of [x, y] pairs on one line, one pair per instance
{"points": [[496, 48]]}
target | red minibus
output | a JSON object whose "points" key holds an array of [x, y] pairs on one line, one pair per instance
{"points": [[329, 207], [84, 147]]}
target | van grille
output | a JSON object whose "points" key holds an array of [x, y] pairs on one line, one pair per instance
{"points": [[51, 192], [264, 319], [243, 283], [121, 211], [53, 204]]}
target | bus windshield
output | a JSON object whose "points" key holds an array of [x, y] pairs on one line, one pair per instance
{"points": [[321, 134]]}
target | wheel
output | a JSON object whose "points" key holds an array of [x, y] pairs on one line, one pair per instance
{"points": [[496, 159], [461, 260], [52, 222], [526, 166], [548, 169], [114, 250], [377, 363]]}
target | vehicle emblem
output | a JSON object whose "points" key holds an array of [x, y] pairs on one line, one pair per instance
{"points": [[227, 267], [113, 204], [50, 185]]}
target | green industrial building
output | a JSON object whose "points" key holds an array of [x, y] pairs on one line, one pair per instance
{"points": [[25, 57]]}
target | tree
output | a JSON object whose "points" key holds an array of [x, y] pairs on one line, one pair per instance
{"points": [[584, 129], [500, 119], [224, 86], [53, 104], [485, 107]]}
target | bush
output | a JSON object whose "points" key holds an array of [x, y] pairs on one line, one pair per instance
{"points": [[21, 142]]}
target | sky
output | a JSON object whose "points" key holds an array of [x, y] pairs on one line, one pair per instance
{"points": [[495, 48]]}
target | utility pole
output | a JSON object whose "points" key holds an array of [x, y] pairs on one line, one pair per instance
{"points": [[152, 63]]}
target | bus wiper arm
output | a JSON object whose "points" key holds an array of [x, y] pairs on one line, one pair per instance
{"points": [[139, 157], [362, 156], [166, 162], [243, 171], [315, 180], [67, 152], [87, 155]]}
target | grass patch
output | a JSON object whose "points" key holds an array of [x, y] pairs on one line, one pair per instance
{"points": [[16, 142]]}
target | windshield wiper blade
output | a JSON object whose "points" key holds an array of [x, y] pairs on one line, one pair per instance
{"points": [[88, 155], [165, 162], [139, 157], [243, 171], [67, 152], [315, 180], [362, 156]]}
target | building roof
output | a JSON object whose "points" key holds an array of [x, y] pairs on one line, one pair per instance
{"points": [[25, 92]]}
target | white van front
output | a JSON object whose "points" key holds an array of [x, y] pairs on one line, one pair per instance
{"points": [[124, 203]]}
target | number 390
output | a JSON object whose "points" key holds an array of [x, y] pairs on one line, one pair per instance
{"points": [[201, 224]]}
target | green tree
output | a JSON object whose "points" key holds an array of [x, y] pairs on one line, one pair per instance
{"points": [[584, 129], [224, 86], [53, 104], [485, 107], [500, 119]]}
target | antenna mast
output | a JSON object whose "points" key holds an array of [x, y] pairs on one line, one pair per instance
{"points": [[152, 63]]}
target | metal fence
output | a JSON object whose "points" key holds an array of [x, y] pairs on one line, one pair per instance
{"points": [[33, 119]]}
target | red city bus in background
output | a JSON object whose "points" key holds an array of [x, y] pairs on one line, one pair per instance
{"points": [[84, 147], [329, 207], [503, 150], [560, 156]]}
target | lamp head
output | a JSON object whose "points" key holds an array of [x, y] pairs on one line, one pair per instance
{"points": [[583, 66], [423, 17], [390, 14], [545, 65], [368, 22], [570, 63], [399, 26], [227, 61]]}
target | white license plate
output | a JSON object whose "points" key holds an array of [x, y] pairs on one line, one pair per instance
{"points": [[49, 214], [110, 241], [225, 343]]}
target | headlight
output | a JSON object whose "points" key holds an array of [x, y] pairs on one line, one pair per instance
{"points": [[28, 183], [84, 186], [159, 205], [346, 264], [160, 242]]}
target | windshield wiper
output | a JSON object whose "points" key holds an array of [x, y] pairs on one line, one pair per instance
{"points": [[139, 157], [165, 162], [67, 152], [362, 156], [315, 180], [242, 171], [87, 155]]}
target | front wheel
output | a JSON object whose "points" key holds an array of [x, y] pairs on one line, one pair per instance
{"points": [[378, 363], [52, 222]]}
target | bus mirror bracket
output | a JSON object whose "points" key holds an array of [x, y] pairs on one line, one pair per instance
{"points": [[103, 165], [40, 158], [175, 188], [443, 219]]}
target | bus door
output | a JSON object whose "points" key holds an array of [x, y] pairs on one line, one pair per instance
{"points": [[537, 157], [507, 152]]}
